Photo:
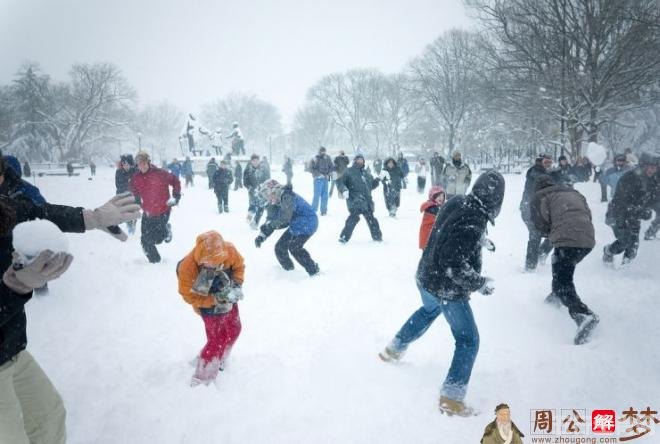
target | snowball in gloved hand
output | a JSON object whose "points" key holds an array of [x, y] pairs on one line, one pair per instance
{"points": [[33, 237]]}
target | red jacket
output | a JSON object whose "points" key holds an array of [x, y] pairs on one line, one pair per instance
{"points": [[430, 211], [153, 189]]}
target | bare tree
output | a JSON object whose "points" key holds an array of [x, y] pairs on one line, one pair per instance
{"points": [[257, 118], [159, 126], [313, 127], [587, 61], [349, 99], [446, 75]]}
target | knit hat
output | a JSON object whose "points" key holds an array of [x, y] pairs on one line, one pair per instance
{"points": [[270, 190]]}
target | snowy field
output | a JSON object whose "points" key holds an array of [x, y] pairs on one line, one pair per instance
{"points": [[116, 338]]}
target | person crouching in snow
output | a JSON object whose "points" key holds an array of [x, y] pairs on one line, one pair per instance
{"points": [[210, 279], [430, 211], [288, 209]]}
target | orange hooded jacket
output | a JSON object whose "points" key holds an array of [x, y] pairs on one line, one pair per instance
{"points": [[212, 251]]}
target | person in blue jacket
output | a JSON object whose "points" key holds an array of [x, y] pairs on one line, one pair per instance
{"points": [[287, 209], [12, 185]]}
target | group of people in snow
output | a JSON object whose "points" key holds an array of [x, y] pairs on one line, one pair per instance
{"points": [[452, 235]]}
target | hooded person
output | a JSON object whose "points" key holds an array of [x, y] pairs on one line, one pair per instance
{"points": [[210, 279], [392, 178], [287, 209], [448, 273], [12, 185], [429, 210], [125, 171], [357, 183], [562, 214]]}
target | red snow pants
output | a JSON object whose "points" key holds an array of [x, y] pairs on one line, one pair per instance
{"points": [[221, 333]]}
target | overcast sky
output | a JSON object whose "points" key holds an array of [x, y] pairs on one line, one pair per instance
{"points": [[195, 51]]}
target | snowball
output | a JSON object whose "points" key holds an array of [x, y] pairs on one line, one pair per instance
{"points": [[597, 154], [33, 237]]}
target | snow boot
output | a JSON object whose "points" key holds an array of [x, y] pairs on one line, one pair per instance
{"points": [[226, 208], [451, 407], [315, 271], [390, 355], [553, 300], [168, 237], [586, 326], [343, 240], [220, 208], [608, 257]]}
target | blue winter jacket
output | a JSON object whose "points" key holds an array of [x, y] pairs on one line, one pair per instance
{"points": [[175, 168], [14, 186], [293, 212]]}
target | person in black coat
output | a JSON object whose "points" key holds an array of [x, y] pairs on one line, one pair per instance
{"points": [[632, 202], [564, 173], [123, 175], [437, 165], [27, 171], [254, 175], [358, 183], [287, 169], [536, 245], [222, 179], [45, 408], [341, 164], [448, 272], [392, 179], [405, 169]]}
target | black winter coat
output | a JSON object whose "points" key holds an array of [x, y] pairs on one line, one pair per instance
{"points": [[13, 338], [359, 182], [396, 175], [222, 178], [633, 198], [122, 178], [532, 173], [341, 164], [450, 266]]}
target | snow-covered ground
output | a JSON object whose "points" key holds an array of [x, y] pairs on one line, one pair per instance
{"points": [[116, 338]]}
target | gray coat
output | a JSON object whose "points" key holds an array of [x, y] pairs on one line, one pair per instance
{"points": [[561, 213]]}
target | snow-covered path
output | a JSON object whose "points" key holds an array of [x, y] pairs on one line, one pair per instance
{"points": [[116, 338]]}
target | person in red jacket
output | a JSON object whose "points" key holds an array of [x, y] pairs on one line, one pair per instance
{"points": [[150, 185], [429, 209]]}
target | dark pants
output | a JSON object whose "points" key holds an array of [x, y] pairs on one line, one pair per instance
{"points": [[564, 261], [653, 229], [289, 176], [354, 218], [392, 198], [154, 232], [222, 194], [189, 180], [627, 239], [536, 246], [603, 192], [421, 184], [295, 245]]}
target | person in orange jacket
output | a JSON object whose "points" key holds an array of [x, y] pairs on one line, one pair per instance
{"points": [[429, 209], [210, 279]]}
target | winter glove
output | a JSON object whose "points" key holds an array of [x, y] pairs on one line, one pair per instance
{"points": [[487, 288], [488, 244], [45, 267], [174, 200], [646, 214], [259, 240], [121, 208], [235, 294]]}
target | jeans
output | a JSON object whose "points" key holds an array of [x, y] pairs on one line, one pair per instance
{"points": [[564, 261], [154, 232], [461, 321], [354, 218], [320, 192], [295, 244], [536, 246]]}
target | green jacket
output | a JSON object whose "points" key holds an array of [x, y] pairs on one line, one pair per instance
{"points": [[492, 435]]}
